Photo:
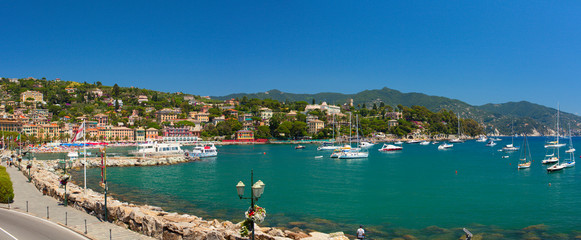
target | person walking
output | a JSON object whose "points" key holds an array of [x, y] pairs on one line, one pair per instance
{"points": [[360, 232]]}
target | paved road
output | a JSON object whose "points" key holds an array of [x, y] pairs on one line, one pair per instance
{"points": [[27, 199], [16, 225]]}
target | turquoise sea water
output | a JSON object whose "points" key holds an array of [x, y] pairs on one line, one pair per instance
{"points": [[392, 194]]}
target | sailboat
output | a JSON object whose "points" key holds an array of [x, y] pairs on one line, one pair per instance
{"points": [[555, 144], [354, 153], [571, 151], [327, 145], [457, 139], [525, 156], [510, 147]]}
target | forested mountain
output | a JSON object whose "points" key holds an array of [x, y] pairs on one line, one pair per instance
{"points": [[526, 117]]}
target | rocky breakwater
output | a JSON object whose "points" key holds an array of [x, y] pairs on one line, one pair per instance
{"points": [[149, 220]]}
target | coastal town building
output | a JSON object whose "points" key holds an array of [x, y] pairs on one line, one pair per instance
{"points": [[265, 113], [151, 134], [392, 123], [231, 112], [203, 117], [102, 119], [393, 115], [142, 98], [244, 135], [331, 109], [110, 133], [166, 115], [315, 126], [10, 125], [97, 92], [181, 134], [34, 95], [140, 134], [218, 119], [70, 90]]}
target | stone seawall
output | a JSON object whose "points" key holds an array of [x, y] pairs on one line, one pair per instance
{"points": [[149, 220]]}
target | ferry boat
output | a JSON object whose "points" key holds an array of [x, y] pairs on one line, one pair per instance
{"points": [[204, 150], [155, 148]]}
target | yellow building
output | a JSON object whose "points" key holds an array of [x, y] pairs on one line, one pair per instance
{"points": [[166, 115], [10, 125], [315, 126], [37, 96], [244, 135]]}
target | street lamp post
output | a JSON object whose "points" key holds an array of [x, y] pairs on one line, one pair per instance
{"points": [[257, 190], [65, 178]]}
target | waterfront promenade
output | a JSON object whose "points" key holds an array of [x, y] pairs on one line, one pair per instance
{"points": [[29, 200]]}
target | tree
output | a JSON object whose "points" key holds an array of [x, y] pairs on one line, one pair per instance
{"points": [[263, 132], [116, 90]]}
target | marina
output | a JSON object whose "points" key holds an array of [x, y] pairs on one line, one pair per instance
{"points": [[411, 190]]}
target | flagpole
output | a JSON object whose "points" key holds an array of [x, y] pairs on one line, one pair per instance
{"points": [[85, 163]]}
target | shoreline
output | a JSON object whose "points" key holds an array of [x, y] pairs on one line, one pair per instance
{"points": [[149, 220]]}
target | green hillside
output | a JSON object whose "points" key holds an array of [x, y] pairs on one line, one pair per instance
{"points": [[527, 117]]}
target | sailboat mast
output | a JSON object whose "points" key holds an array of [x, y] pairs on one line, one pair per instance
{"points": [[350, 129], [333, 127]]}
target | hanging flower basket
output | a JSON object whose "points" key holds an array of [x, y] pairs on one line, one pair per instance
{"points": [[64, 179], [257, 216]]}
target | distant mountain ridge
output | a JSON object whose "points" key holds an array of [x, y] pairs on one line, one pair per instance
{"points": [[498, 116]]}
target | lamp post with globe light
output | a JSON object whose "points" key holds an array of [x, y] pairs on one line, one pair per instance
{"points": [[255, 194]]}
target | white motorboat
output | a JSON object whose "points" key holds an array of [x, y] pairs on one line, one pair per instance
{"points": [[425, 143], [445, 146], [491, 143], [390, 147], [366, 144], [482, 139], [398, 143], [204, 150], [155, 148], [73, 155], [413, 141], [353, 155], [510, 148], [327, 146]]}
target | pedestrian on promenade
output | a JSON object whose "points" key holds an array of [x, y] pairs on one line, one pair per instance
{"points": [[360, 232]]}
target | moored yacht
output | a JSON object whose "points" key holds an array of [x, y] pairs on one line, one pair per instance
{"points": [[390, 147], [204, 150]]}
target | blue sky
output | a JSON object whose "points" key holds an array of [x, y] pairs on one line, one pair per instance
{"points": [[475, 51]]}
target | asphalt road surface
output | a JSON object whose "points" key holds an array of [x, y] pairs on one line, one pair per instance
{"points": [[19, 226]]}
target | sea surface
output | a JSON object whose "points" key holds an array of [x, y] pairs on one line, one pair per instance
{"points": [[421, 191]]}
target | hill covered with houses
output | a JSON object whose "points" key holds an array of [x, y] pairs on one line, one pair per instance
{"points": [[41, 110]]}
